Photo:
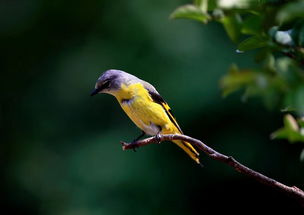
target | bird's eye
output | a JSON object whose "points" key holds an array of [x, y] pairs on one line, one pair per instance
{"points": [[106, 84]]}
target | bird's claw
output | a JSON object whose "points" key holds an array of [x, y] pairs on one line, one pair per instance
{"points": [[158, 139], [134, 146]]}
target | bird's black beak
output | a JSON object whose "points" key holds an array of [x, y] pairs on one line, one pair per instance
{"points": [[94, 92]]}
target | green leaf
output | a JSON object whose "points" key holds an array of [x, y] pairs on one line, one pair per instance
{"points": [[267, 59], [254, 83], [300, 41], [290, 130], [198, 2], [286, 68], [297, 33], [212, 5], [232, 25], [272, 31], [252, 25], [236, 79], [301, 122], [202, 4], [253, 42], [295, 99], [299, 100], [290, 12], [290, 122], [269, 62], [190, 12], [291, 136]]}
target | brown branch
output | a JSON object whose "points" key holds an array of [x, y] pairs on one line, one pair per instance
{"points": [[291, 191]]}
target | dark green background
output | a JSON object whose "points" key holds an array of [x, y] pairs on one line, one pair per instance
{"points": [[60, 151]]}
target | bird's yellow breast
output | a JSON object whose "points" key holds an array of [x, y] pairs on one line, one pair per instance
{"points": [[142, 110]]}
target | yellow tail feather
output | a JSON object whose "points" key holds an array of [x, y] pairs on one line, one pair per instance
{"points": [[189, 149]]}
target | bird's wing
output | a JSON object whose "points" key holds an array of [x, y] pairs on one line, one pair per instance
{"points": [[156, 97]]}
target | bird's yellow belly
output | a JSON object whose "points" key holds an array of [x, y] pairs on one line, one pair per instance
{"points": [[147, 115]]}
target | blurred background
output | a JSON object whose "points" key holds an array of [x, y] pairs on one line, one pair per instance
{"points": [[60, 151]]}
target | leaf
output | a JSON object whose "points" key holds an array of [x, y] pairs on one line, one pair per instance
{"points": [[198, 2], [267, 59], [254, 83], [253, 42], [290, 122], [295, 99], [290, 73], [235, 80], [300, 41], [291, 136], [208, 5], [290, 12], [272, 31], [299, 100], [190, 12], [290, 130], [252, 25], [202, 4], [269, 62], [212, 5], [232, 25], [301, 122], [297, 33], [283, 65]]}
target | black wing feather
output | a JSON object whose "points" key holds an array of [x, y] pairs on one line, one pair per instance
{"points": [[159, 100]]}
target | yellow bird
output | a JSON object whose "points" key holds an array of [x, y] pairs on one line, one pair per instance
{"points": [[144, 106]]}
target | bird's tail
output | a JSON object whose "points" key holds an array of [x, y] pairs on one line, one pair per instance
{"points": [[189, 149]]}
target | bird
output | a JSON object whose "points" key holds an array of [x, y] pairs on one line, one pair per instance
{"points": [[143, 105]]}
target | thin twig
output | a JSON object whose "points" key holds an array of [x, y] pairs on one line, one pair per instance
{"points": [[293, 191]]}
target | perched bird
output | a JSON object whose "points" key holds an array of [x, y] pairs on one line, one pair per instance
{"points": [[144, 106]]}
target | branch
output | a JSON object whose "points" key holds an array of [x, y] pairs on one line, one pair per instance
{"points": [[291, 191]]}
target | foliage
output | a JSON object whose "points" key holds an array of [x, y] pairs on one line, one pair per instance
{"points": [[275, 29], [60, 151]]}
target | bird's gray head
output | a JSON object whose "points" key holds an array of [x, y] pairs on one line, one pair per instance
{"points": [[111, 80]]}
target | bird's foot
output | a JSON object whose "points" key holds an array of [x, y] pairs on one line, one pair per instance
{"points": [[158, 139], [134, 145], [140, 136]]}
